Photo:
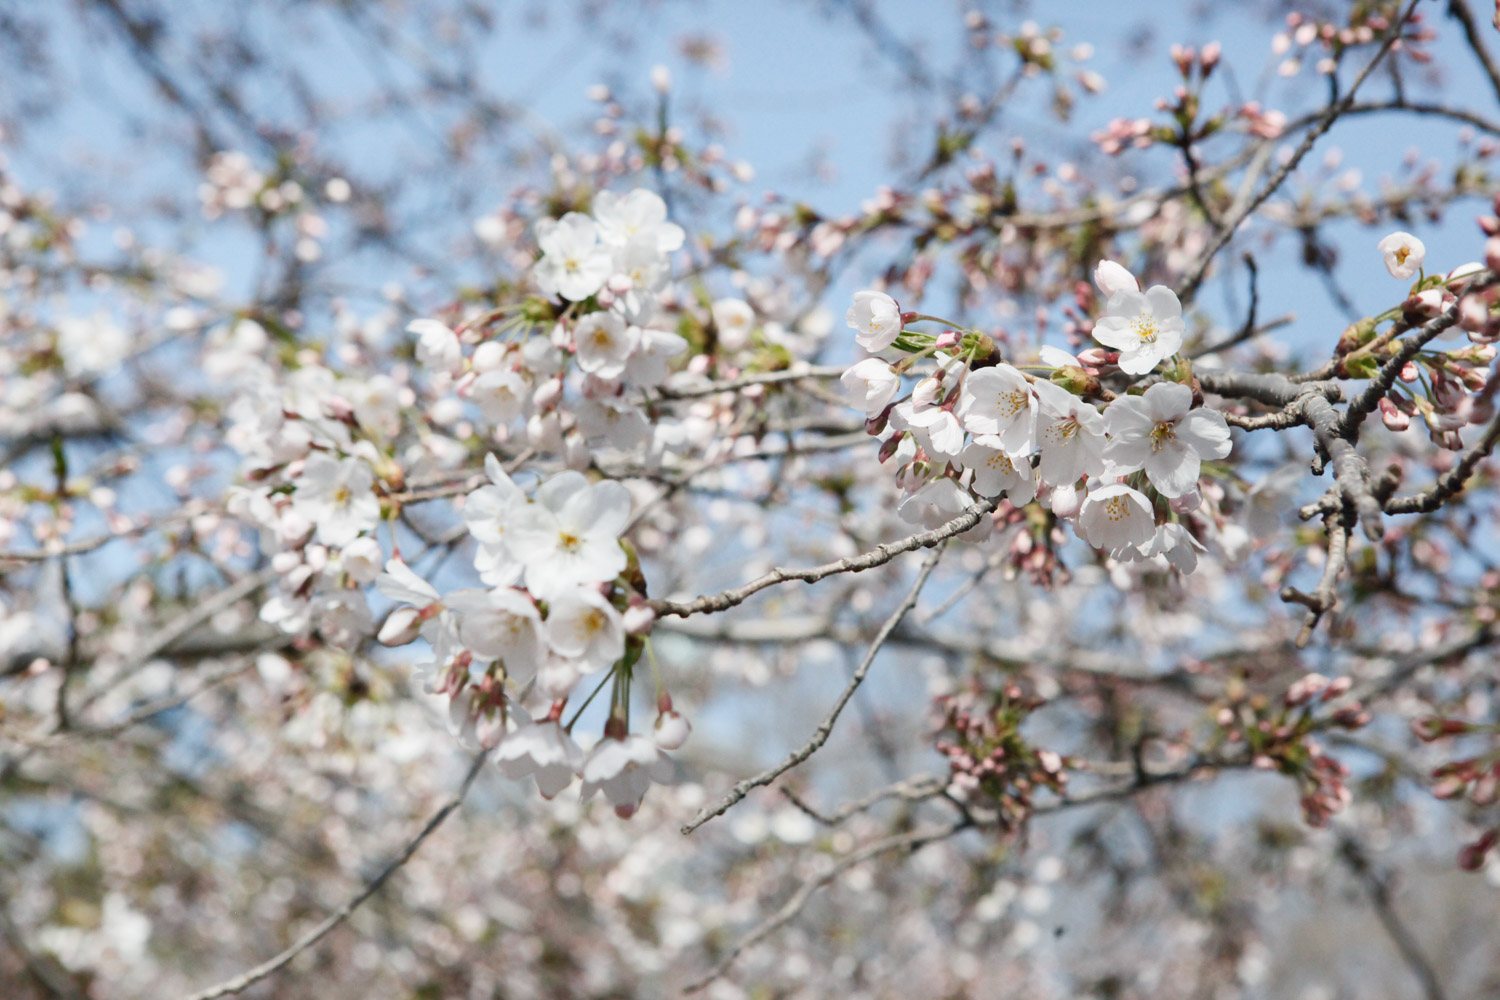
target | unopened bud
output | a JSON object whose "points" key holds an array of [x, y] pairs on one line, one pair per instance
{"points": [[1075, 380], [401, 627], [672, 730], [1393, 418], [638, 619], [1356, 335]]}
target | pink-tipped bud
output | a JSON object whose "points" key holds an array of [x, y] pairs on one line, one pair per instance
{"points": [[1064, 501], [1110, 278], [401, 627], [672, 730], [638, 619], [1393, 418], [1209, 57]]}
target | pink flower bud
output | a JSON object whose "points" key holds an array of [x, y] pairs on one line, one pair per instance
{"points": [[1064, 501], [639, 619], [401, 627], [1492, 253], [1110, 278], [1393, 418], [672, 730]]}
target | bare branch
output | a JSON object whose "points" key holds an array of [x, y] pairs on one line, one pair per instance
{"points": [[825, 728], [878, 556], [1239, 214], [1377, 884], [270, 966]]}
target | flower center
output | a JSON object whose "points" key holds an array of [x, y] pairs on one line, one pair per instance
{"points": [[1064, 430], [1001, 462], [1401, 254], [568, 542], [1145, 327], [1013, 402], [1116, 509], [342, 496], [591, 624], [1162, 435]]}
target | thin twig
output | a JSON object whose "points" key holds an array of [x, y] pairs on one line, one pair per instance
{"points": [[1377, 885], [1450, 483], [910, 840], [1239, 214], [825, 728], [878, 556], [1459, 10], [246, 980]]}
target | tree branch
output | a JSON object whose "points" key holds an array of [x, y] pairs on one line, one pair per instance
{"points": [[825, 728], [270, 966]]}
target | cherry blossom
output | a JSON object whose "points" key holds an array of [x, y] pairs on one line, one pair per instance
{"points": [[574, 264], [1070, 434], [570, 534], [604, 344], [1403, 253], [870, 385], [503, 624], [1144, 327], [336, 496], [1110, 278], [1160, 432], [624, 769], [584, 626], [1116, 516], [996, 473], [876, 320], [541, 750], [999, 402], [639, 215]]}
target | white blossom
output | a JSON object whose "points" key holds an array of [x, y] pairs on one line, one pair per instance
{"points": [[995, 472], [582, 625], [1403, 253], [500, 624], [437, 346], [541, 750], [1115, 516], [1070, 434], [936, 429], [603, 344], [624, 769], [870, 385], [998, 401], [336, 497], [733, 319], [1143, 327], [1159, 432], [500, 395], [641, 216], [1110, 277], [574, 265], [876, 320], [570, 534], [650, 363], [935, 504]]}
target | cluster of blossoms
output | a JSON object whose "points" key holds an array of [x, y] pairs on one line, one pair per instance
{"points": [[1450, 389], [1283, 737], [329, 464], [1124, 477]]}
